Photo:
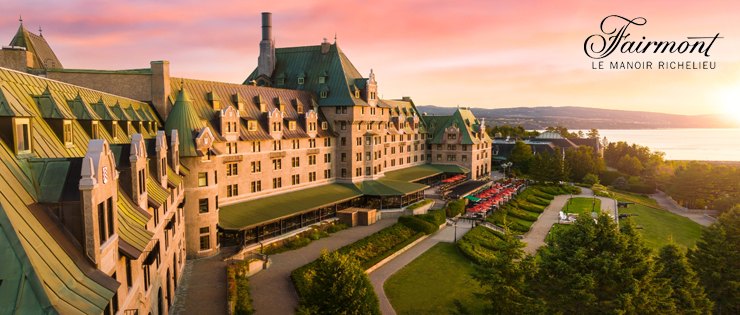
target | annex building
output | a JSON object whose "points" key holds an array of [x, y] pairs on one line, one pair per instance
{"points": [[111, 179]]}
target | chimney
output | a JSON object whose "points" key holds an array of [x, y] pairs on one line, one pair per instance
{"points": [[266, 60], [325, 47], [161, 88]]}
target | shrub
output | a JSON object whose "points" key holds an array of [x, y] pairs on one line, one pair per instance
{"points": [[455, 207], [237, 285], [621, 184], [418, 225], [543, 195], [591, 179], [640, 188], [436, 217], [337, 227], [419, 204], [316, 235], [608, 177]]}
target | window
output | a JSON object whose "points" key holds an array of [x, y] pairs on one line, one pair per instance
{"points": [[257, 186], [291, 125], [281, 81], [464, 147], [358, 156], [255, 146], [147, 276], [400, 149], [68, 132], [358, 171], [357, 94], [358, 141], [327, 158], [277, 164], [129, 276], [203, 205], [362, 110], [368, 157], [327, 142], [101, 223], [323, 94], [451, 147], [311, 143], [408, 159], [232, 190], [464, 158], [256, 166], [359, 127], [277, 126], [439, 147], [215, 177], [252, 125], [344, 141], [451, 157], [368, 171], [95, 131], [23, 135], [311, 177], [231, 148], [301, 80], [344, 157], [296, 162], [439, 157], [205, 238], [109, 203], [112, 307], [312, 160], [322, 80], [344, 172], [327, 174], [324, 125], [277, 182], [344, 110], [202, 179], [296, 179], [232, 169], [400, 161], [295, 143], [156, 216], [277, 145], [368, 140]]}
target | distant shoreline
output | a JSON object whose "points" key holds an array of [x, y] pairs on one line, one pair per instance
{"points": [[728, 163]]}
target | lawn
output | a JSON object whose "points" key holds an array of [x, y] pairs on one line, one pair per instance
{"points": [[581, 205], [636, 196], [659, 226], [431, 283]]}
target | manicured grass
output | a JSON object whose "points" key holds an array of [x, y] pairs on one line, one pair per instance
{"points": [[430, 283], [659, 226], [581, 206], [636, 196], [523, 222]]}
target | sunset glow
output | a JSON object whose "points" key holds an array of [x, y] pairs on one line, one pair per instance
{"points": [[477, 53]]}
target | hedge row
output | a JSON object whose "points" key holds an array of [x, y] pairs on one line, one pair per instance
{"points": [[436, 217], [455, 207], [418, 225], [480, 244], [237, 288], [532, 200], [383, 242], [419, 204]]}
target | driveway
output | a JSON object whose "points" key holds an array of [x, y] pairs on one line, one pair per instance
{"points": [[666, 201]]}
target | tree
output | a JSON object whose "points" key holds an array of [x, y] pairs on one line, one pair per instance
{"points": [[548, 167], [591, 179], [338, 285], [506, 279], [629, 165], [583, 160], [592, 268], [688, 296], [593, 134], [621, 184], [520, 154], [581, 134], [716, 260]]}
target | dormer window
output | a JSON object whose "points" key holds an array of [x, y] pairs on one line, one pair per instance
{"points": [[252, 125], [281, 81], [277, 127], [114, 131], [95, 132], [322, 80], [291, 125], [23, 135], [357, 94], [301, 81], [323, 94], [324, 125], [68, 133], [452, 136], [299, 108]]}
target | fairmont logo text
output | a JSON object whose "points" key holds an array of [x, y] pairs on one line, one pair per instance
{"points": [[599, 46]]}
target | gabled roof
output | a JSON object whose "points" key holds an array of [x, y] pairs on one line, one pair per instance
{"points": [[103, 111], [36, 44], [120, 112], [10, 106], [132, 223], [49, 108], [308, 61], [56, 179], [186, 121], [465, 121], [81, 109]]}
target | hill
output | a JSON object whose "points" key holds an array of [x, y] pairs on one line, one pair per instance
{"points": [[573, 117]]}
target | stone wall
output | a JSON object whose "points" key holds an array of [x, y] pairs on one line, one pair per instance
{"points": [[16, 59], [137, 86]]}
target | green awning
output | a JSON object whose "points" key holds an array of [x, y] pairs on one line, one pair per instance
{"points": [[384, 187], [471, 198], [415, 173], [500, 158], [155, 192], [263, 210], [172, 177], [132, 224]]}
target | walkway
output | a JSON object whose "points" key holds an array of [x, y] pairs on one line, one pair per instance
{"points": [[666, 201], [272, 290], [202, 289], [380, 275], [539, 230]]}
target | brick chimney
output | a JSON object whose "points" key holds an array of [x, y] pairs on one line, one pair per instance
{"points": [[266, 60]]}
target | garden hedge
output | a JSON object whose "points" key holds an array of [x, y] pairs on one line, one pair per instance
{"points": [[418, 225]]}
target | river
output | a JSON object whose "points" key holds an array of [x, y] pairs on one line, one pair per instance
{"points": [[684, 144]]}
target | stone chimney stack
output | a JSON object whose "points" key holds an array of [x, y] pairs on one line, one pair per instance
{"points": [[161, 88], [266, 60], [325, 46]]}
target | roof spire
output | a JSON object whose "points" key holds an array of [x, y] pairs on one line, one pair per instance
{"points": [[335, 38], [40, 31], [20, 18]]}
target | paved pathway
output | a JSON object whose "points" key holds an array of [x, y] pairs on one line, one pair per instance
{"points": [[380, 275], [538, 232], [665, 201], [202, 289], [272, 290]]}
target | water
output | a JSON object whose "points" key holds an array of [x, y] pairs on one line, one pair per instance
{"points": [[684, 144]]}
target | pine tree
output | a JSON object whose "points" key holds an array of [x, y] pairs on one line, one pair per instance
{"points": [[338, 285], [716, 260], [506, 280], [592, 268], [688, 296]]}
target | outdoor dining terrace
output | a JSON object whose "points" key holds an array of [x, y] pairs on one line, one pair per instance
{"points": [[490, 199]]}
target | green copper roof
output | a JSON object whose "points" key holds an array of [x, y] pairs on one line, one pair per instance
{"points": [[132, 224], [155, 191], [49, 108], [463, 119], [10, 106], [385, 187], [81, 109], [172, 177], [185, 120], [120, 112], [310, 63], [103, 111], [132, 113], [418, 172], [270, 208], [43, 55]]}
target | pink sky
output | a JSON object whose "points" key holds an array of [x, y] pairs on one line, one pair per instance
{"points": [[470, 53]]}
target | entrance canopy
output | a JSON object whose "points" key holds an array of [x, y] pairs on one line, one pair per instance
{"points": [[384, 187], [471, 198], [414, 173], [270, 208]]}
